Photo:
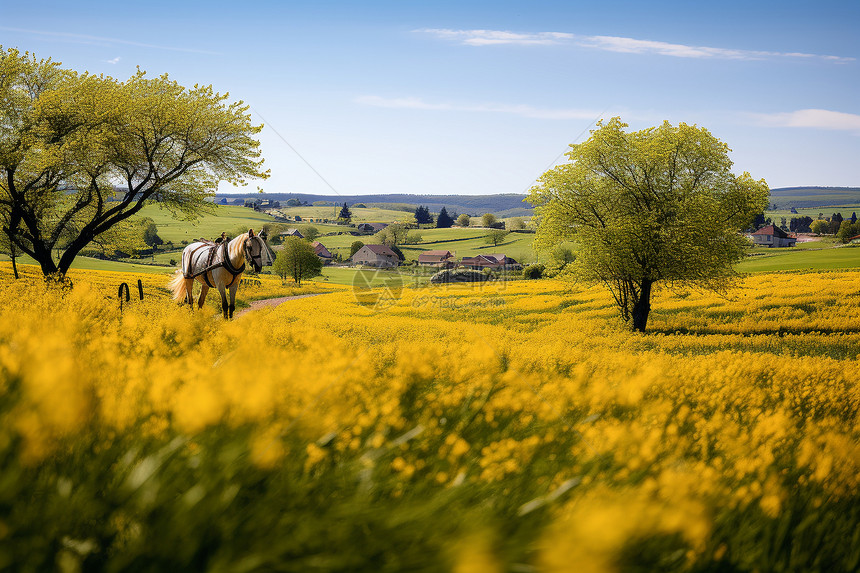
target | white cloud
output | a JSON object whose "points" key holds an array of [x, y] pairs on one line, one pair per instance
{"points": [[495, 37], [113, 60], [521, 110], [616, 44], [812, 118]]}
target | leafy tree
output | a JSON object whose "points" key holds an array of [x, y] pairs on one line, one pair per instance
{"points": [[847, 229], [150, 233], [423, 216], [819, 226], [835, 222], [444, 221], [853, 217], [657, 205], [534, 271], [496, 236], [344, 214], [464, 220], [517, 224], [354, 248], [488, 220], [393, 234], [293, 202], [310, 232], [800, 224], [360, 206], [297, 260], [80, 153], [413, 238]]}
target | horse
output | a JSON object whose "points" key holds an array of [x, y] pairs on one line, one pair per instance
{"points": [[218, 265]]}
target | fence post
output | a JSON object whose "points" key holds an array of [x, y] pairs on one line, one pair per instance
{"points": [[123, 286], [140, 288]]}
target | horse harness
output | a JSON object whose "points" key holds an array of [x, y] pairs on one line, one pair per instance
{"points": [[225, 263]]}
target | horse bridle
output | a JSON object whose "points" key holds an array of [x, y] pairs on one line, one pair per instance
{"points": [[257, 260]]}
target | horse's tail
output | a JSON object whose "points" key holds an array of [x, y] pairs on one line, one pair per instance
{"points": [[179, 286]]}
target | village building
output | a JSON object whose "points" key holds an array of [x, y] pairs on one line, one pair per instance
{"points": [[291, 233], [375, 256], [496, 262], [773, 236], [322, 252], [439, 258], [371, 227]]}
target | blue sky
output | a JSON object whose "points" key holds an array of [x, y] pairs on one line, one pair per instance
{"points": [[482, 97]]}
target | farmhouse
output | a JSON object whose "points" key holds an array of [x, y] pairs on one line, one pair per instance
{"points": [[322, 252], [291, 233], [495, 262], [371, 227], [375, 256], [773, 236], [440, 259]]}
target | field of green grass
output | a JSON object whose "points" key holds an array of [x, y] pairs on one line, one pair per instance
{"points": [[210, 226], [359, 215], [790, 259], [813, 212]]}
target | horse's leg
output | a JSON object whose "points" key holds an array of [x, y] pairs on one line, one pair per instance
{"points": [[223, 290], [189, 292], [204, 290], [233, 288]]}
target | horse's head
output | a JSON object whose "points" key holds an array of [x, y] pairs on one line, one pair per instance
{"points": [[254, 250]]}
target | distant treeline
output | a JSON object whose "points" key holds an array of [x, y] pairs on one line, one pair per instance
{"points": [[504, 205]]}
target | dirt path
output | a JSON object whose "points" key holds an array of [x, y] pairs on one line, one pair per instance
{"points": [[272, 302]]}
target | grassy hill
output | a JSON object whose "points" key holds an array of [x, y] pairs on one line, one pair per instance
{"points": [[797, 197]]}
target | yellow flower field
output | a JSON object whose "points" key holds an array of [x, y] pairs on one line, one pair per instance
{"points": [[498, 427]]}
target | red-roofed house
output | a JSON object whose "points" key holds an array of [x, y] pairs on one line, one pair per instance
{"points": [[773, 236], [322, 252], [494, 262], [441, 259], [375, 256]]}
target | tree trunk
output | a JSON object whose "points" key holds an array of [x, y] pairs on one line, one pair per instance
{"points": [[642, 306]]}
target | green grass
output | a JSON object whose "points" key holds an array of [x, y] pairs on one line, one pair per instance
{"points": [[87, 263], [225, 218], [813, 212], [359, 215], [788, 259]]}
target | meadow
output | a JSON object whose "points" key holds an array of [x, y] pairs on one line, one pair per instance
{"points": [[501, 427]]}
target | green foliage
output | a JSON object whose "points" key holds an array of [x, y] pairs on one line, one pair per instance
{"points": [[310, 232], [488, 220], [355, 247], [847, 230], [150, 234], [68, 137], [819, 226], [516, 224], [297, 260], [422, 215], [393, 234], [496, 236], [534, 271], [659, 204], [345, 214], [444, 221], [413, 238], [464, 220]]}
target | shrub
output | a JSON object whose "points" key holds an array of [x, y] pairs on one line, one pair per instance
{"points": [[534, 271], [459, 276]]}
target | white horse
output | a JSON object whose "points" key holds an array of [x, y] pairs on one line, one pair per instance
{"points": [[218, 265]]}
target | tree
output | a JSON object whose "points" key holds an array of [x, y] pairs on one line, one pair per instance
{"points": [[310, 232], [835, 223], [344, 214], [800, 224], [298, 260], [80, 153], [423, 216], [496, 236], [150, 234], [355, 247], [464, 220], [659, 205], [819, 226], [393, 234], [444, 221], [517, 224], [847, 229], [488, 220]]}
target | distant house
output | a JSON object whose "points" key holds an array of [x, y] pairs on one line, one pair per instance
{"points": [[495, 262], [773, 236], [371, 227], [375, 256], [291, 233], [322, 252], [441, 259]]}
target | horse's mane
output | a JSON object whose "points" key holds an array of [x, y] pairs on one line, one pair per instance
{"points": [[234, 247]]}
